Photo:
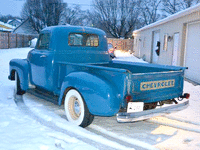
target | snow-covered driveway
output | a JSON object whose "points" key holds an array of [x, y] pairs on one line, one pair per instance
{"points": [[30, 122]]}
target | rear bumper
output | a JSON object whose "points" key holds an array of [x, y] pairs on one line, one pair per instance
{"points": [[137, 116]]}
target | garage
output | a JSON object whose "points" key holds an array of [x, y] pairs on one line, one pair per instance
{"points": [[179, 39], [192, 54]]}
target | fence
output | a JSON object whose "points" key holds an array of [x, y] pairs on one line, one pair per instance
{"points": [[10, 40], [122, 44]]}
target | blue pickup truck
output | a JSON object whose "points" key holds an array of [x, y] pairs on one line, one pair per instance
{"points": [[73, 64]]}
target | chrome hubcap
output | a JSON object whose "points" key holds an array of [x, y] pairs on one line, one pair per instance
{"points": [[77, 107], [74, 107]]}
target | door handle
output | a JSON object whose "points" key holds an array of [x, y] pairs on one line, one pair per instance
{"points": [[43, 56]]}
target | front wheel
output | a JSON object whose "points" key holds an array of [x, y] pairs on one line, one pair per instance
{"points": [[76, 109], [18, 89]]}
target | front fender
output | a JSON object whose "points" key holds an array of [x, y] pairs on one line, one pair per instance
{"points": [[22, 67], [99, 94]]}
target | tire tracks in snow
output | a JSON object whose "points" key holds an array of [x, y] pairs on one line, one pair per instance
{"points": [[110, 140], [81, 134], [183, 120], [176, 123], [121, 139], [129, 142]]}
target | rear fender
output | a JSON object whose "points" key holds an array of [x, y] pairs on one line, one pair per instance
{"points": [[99, 94], [21, 67]]}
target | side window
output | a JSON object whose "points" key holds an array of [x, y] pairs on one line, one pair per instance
{"points": [[82, 39], [43, 42]]}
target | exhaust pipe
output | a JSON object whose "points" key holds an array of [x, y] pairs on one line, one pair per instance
{"points": [[185, 95]]}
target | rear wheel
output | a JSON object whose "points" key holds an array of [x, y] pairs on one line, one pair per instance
{"points": [[18, 89], [76, 109]]}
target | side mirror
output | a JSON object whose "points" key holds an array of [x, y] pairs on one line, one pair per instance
{"points": [[33, 43]]}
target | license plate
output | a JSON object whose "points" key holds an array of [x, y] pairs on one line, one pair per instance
{"points": [[135, 107]]}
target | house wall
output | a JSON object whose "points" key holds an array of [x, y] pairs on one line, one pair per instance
{"points": [[143, 39], [15, 23], [25, 28]]}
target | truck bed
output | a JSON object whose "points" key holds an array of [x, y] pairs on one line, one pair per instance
{"points": [[135, 67], [145, 82], [150, 83]]}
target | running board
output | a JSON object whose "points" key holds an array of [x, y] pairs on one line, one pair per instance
{"points": [[43, 95], [138, 116]]}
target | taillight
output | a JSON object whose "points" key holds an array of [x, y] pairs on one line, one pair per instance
{"points": [[187, 95], [128, 98]]}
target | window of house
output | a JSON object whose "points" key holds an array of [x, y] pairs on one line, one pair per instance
{"points": [[144, 41], [135, 42], [82, 39], [43, 41], [165, 42]]}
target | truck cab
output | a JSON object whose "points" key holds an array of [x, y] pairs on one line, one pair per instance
{"points": [[56, 45]]}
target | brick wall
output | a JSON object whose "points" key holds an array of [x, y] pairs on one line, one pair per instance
{"points": [[10, 40]]}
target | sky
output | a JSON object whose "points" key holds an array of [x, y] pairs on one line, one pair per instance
{"points": [[14, 7]]}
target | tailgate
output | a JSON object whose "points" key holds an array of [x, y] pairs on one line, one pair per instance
{"points": [[153, 87]]}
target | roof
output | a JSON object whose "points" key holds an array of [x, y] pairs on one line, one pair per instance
{"points": [[5, 30], [172, 17], [25, 28], [11, 20], [21, 24], [71, 28], [6, 27]]}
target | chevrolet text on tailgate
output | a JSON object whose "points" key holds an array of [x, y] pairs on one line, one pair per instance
{"points": [[156, 85], [73, 64]]}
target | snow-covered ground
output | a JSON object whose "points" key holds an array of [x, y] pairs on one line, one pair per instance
{"points": [[125, 56], [32, 123]]}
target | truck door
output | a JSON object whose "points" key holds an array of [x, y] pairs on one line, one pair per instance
{"points": [[41, 63]]}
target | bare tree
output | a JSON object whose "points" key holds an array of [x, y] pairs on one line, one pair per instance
{"points": [[171, 6], [149, 9], [8, 17], [189, 3], [42, 13], [73, 16], [118, 17], [174, 6]]}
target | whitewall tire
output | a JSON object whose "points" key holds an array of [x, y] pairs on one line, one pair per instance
{"points": [[76, 109]]}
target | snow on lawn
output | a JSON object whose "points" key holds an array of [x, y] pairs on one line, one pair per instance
{"points": [[126, 56], [27, 127]]}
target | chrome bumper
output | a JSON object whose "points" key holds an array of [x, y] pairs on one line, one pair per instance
{"points": [[138, 116]]}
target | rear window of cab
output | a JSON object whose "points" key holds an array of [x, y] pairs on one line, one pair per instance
{"points": [[83, 39]]}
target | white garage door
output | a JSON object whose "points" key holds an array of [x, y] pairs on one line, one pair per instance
{"points": [[192, 58]]}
